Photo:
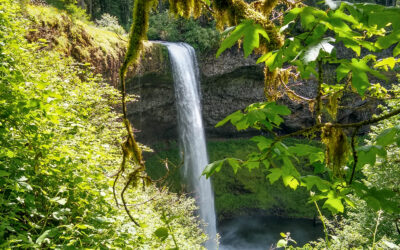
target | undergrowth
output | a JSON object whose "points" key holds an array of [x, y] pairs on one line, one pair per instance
{"points": [[203, 37], [60, 142]]}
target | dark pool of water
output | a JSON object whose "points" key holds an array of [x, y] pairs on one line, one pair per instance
{"points": [[263, 232]]}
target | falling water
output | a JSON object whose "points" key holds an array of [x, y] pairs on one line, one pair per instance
{"points": [[191, 132]]}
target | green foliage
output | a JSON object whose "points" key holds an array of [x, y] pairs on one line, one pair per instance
{"points": [[358, 226], [59, 143], [242, 192], [71, 8], [258, 115], [285, 241], [357, 26], [203, 37]]}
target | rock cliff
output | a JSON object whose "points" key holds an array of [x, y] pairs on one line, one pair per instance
{"points": [[228, 83]]}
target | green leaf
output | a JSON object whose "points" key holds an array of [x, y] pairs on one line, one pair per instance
{"points": [[252, 165], [270, 60], [319, 167], [291, 181], [387, 136], [360, 81], [281, 243], [262, 142], [351, 44], [389, 61], [83, 226], [279, 109], [342, 72], [385, 42], [373, 202], [234, 164], [382, 18], [312, 180], [250, 32], [291, 15], [304, 149], [255, 116], [251, 38], [396, 50], [59, 200], [234, 118], [4, 173], [334, 205], [265, 57], [288, 168], [275, 174], [212, 168], [349, 202], [46, 234], [266, 164], [242, 124], [366, 158], [161, 233], [307, 18]]}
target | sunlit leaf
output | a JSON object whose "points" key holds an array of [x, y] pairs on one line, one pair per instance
{"points": [[212, 168], [334, 205], [250, 32]]}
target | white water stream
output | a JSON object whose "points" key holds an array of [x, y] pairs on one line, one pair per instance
{"points": [[191, 132]]}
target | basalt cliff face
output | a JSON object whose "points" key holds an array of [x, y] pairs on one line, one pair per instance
{"points": [[228, 83]]}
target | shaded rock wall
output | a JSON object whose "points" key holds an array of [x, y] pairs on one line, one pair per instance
{"points": [[228, 83]]}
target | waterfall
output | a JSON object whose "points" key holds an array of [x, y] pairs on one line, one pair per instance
{"points": [[191, 132]]}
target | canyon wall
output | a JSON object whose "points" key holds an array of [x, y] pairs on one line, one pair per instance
{"points": [[228, 83]]}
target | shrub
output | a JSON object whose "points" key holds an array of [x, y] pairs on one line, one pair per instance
{"points": [[203, 37], [110, 23], [59, 147]]}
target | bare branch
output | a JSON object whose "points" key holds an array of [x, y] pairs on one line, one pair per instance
{"points": [[293, 92], [318, 99], [353, 149]]}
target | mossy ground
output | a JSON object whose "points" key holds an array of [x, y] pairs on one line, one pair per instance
{"points": [[81, 39], [242, 193]]}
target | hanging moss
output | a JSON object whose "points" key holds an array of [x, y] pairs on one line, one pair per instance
{"points": [[140, 25], [131, 150], [337, 148], [268, 6], [186, 8], [333, 104], [271, 84]]}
